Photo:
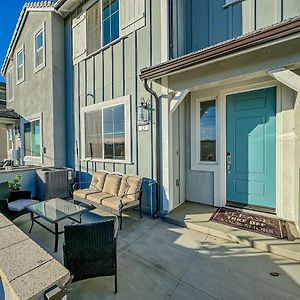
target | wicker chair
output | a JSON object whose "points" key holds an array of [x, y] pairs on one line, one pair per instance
{"points": [[7, 198], [90, 250]]}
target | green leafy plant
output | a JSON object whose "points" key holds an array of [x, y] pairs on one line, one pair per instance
{"points": [[15, 185]]}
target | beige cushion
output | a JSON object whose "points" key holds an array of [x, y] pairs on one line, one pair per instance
{"points": [[114, 202], [130, 185], [98, 180], [98, 197], [112, 184], [84, 192]]}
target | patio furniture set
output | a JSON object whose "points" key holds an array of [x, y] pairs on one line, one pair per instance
{"points": [[112, 192]]}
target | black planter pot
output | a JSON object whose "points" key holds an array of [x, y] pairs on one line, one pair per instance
{"points": [[15, 195]]}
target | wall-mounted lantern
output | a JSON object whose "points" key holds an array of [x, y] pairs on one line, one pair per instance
{"points": [[17, 131], [144, 112]]}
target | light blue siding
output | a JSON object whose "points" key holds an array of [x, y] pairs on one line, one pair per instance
{"points": [[111, 73], [199, 24]]}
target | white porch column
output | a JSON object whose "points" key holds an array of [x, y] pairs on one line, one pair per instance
{"points": [[165, 146]]}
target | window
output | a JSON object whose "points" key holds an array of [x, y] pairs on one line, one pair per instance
{"points": [[93, 134], [110, 20], [10, 85], [10, 138], [114, 132], [101, 32], [207, 131], [32, 137], [39, 49], [106, 134], [20, 65]]}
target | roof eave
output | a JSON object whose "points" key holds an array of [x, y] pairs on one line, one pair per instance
{"points": [[27, 7], [66, 7]]}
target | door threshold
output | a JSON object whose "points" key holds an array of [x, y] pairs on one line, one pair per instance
{"points": [[257, 208]]}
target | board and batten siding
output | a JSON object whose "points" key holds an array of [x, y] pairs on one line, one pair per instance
{"points": [[110, 73], [199, 24]]}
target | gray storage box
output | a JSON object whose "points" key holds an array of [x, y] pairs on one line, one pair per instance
{"points": [[54, 182]]}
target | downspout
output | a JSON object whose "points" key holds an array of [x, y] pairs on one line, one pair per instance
{"points": [[157, 146]]}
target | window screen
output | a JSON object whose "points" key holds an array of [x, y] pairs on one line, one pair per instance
{"points": [[93, 134], [93, 28]]}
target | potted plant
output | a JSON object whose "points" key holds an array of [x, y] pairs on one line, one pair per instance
{"points": [[15, 185], [15, 189]]}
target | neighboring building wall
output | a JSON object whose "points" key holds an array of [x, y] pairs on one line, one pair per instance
{"points": [[112, 73], [199, 24], [3, 142], [42, 92], [2, 95]]}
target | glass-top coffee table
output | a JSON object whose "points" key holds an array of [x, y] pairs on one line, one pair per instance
{"points": [[54, 211]]}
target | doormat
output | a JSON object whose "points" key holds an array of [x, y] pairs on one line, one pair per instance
{"points": [[251, 222]]}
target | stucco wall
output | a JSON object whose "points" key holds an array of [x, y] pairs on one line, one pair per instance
{"points": [[43, 91]]}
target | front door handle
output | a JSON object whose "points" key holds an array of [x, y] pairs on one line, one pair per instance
{"points": [[228, 162]]}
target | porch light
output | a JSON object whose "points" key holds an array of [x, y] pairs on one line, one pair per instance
{"points": [[17, 131], [144, 112]]}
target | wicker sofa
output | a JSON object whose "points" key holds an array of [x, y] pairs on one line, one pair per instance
{"points": [[112, 192]]}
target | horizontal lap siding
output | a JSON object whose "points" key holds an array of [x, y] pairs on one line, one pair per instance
{"points": [[113, 73]]}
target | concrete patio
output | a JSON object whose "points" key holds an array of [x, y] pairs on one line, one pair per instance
{"points": [[157, 260]]}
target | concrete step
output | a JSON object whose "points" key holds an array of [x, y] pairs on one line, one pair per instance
{"points": [[196, 217]]}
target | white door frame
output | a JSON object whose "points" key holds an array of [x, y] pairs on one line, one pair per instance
{"points": [[223, 135]]}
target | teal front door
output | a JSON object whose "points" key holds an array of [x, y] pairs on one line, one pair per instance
{"points": [[251, 149]]}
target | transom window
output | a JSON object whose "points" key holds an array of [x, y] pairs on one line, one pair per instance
{"points": [[102, 24], [32, 138], [106, 131], [207, 130], [20, 65]]}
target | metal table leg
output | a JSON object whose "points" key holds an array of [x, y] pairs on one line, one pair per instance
{"points": [[32, 221], [56, 237]]}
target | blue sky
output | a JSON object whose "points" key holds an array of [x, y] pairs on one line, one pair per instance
{"points": [[8, 20]]}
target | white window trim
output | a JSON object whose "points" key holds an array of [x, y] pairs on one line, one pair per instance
{"points": [[28, 158], [43, 64], [126, 100], [21, 49], [11, 85], [196, 163]]}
